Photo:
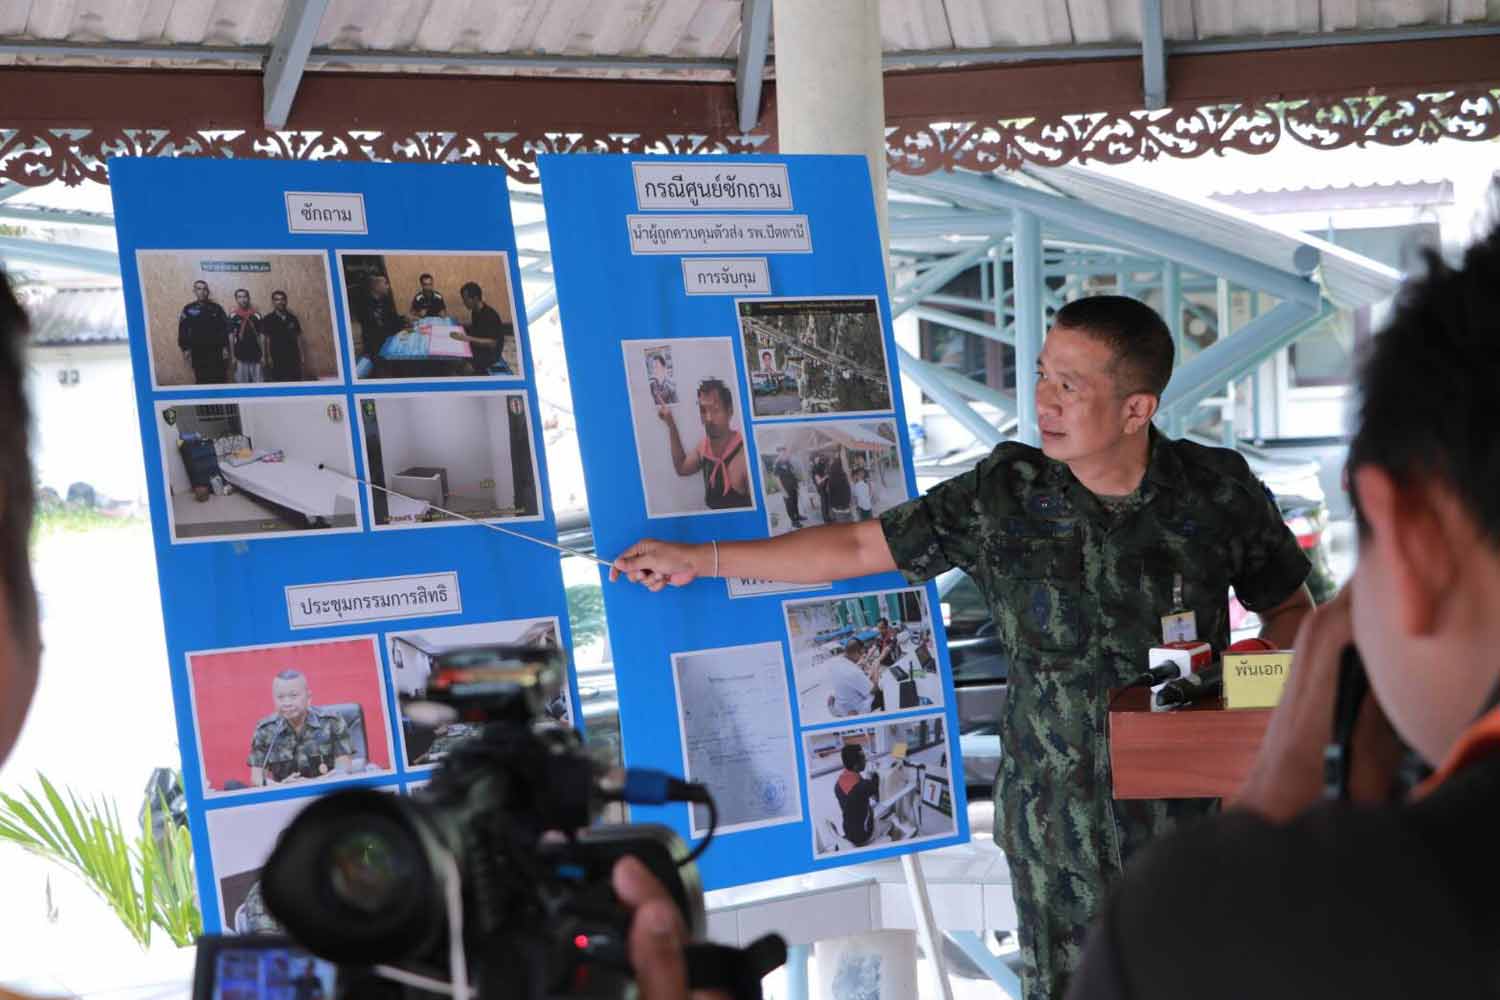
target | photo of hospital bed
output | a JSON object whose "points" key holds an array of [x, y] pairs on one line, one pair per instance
{"points": [[321, 497], [255, 468]]}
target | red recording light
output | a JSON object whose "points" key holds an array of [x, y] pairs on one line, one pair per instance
{"points": [[581, 942]]}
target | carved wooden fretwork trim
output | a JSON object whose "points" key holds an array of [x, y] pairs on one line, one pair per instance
{"points": [[33, 157], [1321, 123]]}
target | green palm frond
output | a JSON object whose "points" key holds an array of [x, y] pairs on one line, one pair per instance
{"points": [[145, 884]]}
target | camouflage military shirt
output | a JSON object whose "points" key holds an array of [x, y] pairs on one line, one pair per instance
{"points": [[283, 751], [1077, 594]]}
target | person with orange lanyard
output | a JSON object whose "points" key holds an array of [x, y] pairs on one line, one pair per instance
{"points": [[1378, 891], [720, 455]]}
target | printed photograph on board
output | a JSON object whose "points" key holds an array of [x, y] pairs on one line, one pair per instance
{"points": [[879, 785], [735, 719], [413, 656], [220, 317], [240, 841], [250, 468], [428, 314], [289, 715], [863, 654], [689, 431], [438, 455], [815, 356], [659, 375], [828, 472]]}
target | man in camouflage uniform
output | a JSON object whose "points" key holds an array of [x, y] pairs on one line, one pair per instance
{"points": [[299, 741], [1080, 546]]}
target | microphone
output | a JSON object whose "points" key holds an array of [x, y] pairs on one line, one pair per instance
{"points": [[1193, 687], [1170, 670], [1172, 660]]}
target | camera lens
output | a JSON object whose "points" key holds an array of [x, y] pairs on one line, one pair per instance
{"points": [[366, 872], [351, 878]]}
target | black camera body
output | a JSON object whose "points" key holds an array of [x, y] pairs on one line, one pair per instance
{"points": [[491, 872]]}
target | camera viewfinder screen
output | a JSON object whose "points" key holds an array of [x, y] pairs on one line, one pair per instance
{"points": [[272, 974]]}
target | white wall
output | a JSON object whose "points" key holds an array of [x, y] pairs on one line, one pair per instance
{"points": [[302, 429], [447, 430], [86, 431]]}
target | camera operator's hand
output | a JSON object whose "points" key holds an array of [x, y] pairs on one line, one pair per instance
{"points": [[657, 935], [1287, 776]]}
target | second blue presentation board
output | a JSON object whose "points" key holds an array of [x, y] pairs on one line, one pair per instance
{"points": [[729, 345]]}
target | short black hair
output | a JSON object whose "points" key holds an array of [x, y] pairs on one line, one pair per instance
{"points": [[245, 290], [853, 756], [200, 281], [716, 387], [423, 277], [278, 292], [289, 675], [1427, 387], [1136, 333], [16, 495], [471, 290]]}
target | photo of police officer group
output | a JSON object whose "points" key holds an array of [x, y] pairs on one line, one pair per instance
{"points": [[443, 458], [412, 657], [242, 468], [815, 356], [215, 317], [829, 471], [689, 427], [861, 655], [289, 715], [879, 785], [429, 314]]}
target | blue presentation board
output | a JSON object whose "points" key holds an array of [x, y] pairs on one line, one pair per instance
{"points": [[733, 369], [303, 607]]}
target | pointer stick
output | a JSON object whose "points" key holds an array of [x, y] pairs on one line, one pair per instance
{"points": [[483, 524]]}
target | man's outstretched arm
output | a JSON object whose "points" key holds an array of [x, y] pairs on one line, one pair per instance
{"points": [[812, 555]]}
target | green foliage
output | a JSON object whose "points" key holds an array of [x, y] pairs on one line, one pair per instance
{"points": [[586, 613], [72, 520], [145, 882]]}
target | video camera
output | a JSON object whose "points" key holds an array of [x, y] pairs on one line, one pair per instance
{"points": [[492, 874]]}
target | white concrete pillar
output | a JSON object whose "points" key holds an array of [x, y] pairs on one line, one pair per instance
{"points": [[829, 94]]}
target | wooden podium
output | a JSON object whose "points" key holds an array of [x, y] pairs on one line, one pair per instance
{"points": [[1201, 751]]}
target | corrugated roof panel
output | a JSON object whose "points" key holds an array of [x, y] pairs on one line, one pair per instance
{"points": [[711, 32], [1235, 18], [1348, 278], [79, 316], [671, 28], [1401, 13], [914, 24], [560, 24], [670, 25], [1027, 22], [1096, 21], [1177, 20], [621, 25]]}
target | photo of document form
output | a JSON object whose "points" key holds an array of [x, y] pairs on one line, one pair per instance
{"points": [[735, 715]]}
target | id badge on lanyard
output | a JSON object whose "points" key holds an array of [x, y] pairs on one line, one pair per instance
{"points": [[1181, 624]]}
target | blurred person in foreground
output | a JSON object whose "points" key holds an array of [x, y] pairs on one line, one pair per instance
{"points": [[1376, 896]]}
